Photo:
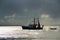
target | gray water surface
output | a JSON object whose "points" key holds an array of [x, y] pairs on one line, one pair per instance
{"points": [[17, 33]]}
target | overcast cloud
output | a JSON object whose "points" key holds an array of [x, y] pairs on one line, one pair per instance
{"points": [[21, 11]]}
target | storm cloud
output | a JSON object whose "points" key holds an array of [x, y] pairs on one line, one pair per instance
{"points": [[27, 9]]}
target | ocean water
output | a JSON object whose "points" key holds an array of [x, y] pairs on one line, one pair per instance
{"points": [[17, 33]]}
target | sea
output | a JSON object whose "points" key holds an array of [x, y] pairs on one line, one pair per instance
{"points": [[17, 33]]}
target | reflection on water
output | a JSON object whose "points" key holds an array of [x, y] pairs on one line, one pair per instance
{"points": [[16, 33], [27, 39]]}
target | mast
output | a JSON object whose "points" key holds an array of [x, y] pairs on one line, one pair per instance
{"points": [[34, 23], [38, 23]]}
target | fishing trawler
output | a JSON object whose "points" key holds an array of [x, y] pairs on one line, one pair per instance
{"points": [[34, 26]]}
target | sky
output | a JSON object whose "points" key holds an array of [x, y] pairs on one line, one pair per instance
{"points": [[22, 12]]}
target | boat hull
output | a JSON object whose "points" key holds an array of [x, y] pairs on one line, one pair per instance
{"points": [[29, 28]]}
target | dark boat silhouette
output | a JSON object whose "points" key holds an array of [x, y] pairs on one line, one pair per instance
{"points": [[53, 28], [33, 26]]}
